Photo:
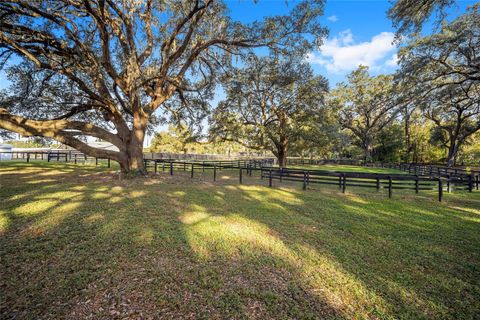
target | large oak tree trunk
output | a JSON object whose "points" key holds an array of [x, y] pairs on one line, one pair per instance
{"points": [[452, 153], [132, 163], [128, 141], [282, 160], [367, 149], [281, 155], [408, 142], [451, 157]]}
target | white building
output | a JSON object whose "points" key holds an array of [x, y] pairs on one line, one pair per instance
{"points": [[7, 149]]}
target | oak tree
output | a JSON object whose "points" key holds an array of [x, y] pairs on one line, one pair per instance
{"points": [[366, 105], [271, 102], [106, 68], [444, 72], [408, 16]]}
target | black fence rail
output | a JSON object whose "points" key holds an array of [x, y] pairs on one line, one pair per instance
{"points": [[303, 161], [54, 156], [199, 157], [343, 180], [423, 177], [427, 170], [209, 164], [368, 180]]}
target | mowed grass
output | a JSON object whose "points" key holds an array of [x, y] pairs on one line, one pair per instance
{"points": [[78, 243], [347, 168]]}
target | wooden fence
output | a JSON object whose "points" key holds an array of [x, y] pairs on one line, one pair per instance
{"points": [[343, 180], [57, 156], [427, 170], [198, 157], [303, 161], [420, 177]]}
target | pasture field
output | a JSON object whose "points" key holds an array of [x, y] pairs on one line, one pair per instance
{"points": [[76, 242], [347, 168]]}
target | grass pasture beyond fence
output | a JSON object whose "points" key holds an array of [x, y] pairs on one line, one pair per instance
{"points": [[78, 243]]}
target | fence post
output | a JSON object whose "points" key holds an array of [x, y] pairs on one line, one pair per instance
{"points": [[108, 163], [389, 186], [240, 175], [281, 174], [477, 179], [75, 158], [184, 166], [214, 172], [171, 168], [304, 180], [344, 182], [378, 183], [48, 157], [191, 174], [203, 166], [416, 184], [96, 161], [270, 179], [448, 183], [440, 189], [470, 182], [155, 166], [28, 157], [340, 182]]}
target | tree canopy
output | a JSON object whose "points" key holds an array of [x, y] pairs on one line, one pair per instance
{"points": [[103, 68], [408, 16], [271, 102], [442, 71], [365, 105]]}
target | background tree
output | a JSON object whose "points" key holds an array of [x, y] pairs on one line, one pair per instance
{"points": [[178, 139], [456, 118], [407, 112], [365, 105], [421, 148], [270, 104], [390, 143], [322, 138], [470, 154], [104, 68], [408, 16], [444, 72]]}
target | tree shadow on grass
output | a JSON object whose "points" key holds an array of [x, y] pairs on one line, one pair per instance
{"points": [[136, 249], [419, 257], [158, 247]]}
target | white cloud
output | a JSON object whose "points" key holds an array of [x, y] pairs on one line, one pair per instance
{"points": [[393, 61], [343, 54], [333, 18]]}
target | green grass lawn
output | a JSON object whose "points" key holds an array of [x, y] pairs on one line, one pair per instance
{"points": [[347, 168], [78, 243]]}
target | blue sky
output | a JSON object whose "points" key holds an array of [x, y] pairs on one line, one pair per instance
{"points": [[360, 33]]}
